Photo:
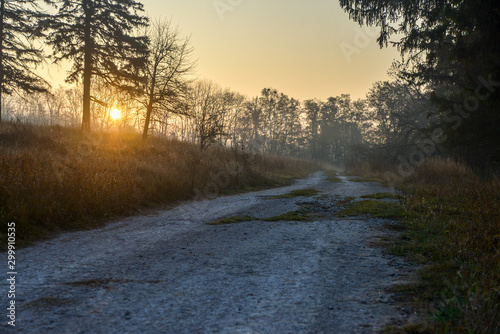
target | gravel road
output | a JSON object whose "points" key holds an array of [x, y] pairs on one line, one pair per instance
{"points": [[170, 272]]}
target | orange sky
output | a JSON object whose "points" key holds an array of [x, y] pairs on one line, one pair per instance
{"points": [[306, 49]]}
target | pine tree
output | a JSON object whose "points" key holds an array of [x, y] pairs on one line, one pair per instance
{"points": [[18, 55], [98, 36], [452, 47]]}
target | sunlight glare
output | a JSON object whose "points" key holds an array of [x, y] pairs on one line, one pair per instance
{"points": [[115, 114]]}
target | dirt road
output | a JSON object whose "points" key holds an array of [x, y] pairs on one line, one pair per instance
{"points": [[173, 273]]}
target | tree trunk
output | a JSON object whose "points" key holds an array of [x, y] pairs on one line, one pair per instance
{"points": [[149, 108], [2, 8], [146, 122], [87, 71]]}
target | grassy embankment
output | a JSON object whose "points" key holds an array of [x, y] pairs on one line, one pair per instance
{"points": [[451, 227], [56, 179]]}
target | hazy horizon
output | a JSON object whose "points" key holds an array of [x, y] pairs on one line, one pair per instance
{"points": [[301, 49]]}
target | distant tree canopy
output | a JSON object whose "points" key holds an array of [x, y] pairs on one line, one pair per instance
{"points": [[98, 37], [18, 54], [451, 47]]}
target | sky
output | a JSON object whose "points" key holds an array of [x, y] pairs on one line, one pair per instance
{"points": [[305, 49]]}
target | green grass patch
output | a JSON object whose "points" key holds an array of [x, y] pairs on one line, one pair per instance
{"points": [[232, 220], [374, 209], [296, 193], [369, 179], [332, 176], [345, 201], [289, 216], [452, 228], [382, 196]]}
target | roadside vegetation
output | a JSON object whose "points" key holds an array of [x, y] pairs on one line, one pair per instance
{"points": [[54, 179], [373, 208], [382, 196], [451, 228]]}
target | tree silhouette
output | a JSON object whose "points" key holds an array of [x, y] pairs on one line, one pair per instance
{"points": [[167, 68], [98, 36], [18, 55], [453, 47]]}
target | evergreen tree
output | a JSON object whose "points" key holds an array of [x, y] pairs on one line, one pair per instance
{"points": [[18, 55], [451, 46], [98, 36]]}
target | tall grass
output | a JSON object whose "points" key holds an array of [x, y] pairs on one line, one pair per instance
{"points": [[454, 231], [54, 179]]}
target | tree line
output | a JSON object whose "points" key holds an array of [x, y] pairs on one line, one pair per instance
{"points": [[110, 44], [451, 58], [443, 97]]}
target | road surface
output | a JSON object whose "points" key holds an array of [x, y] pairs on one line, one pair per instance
{"points": [[170, 272]]}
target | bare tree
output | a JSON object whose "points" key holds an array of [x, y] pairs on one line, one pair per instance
{"points": [[167, 70], [208, 105]]}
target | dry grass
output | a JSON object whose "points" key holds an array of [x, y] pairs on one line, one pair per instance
{"points": [[454, 230], [54, 179], [368, 172]]}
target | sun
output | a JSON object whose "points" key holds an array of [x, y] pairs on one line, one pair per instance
{"points": [[115, 114]]}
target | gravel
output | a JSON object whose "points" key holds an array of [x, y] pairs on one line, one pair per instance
{"points": [[170, 272]]}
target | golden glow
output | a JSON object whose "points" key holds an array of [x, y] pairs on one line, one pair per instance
{"points": [[305, 49], [115, 114]]}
